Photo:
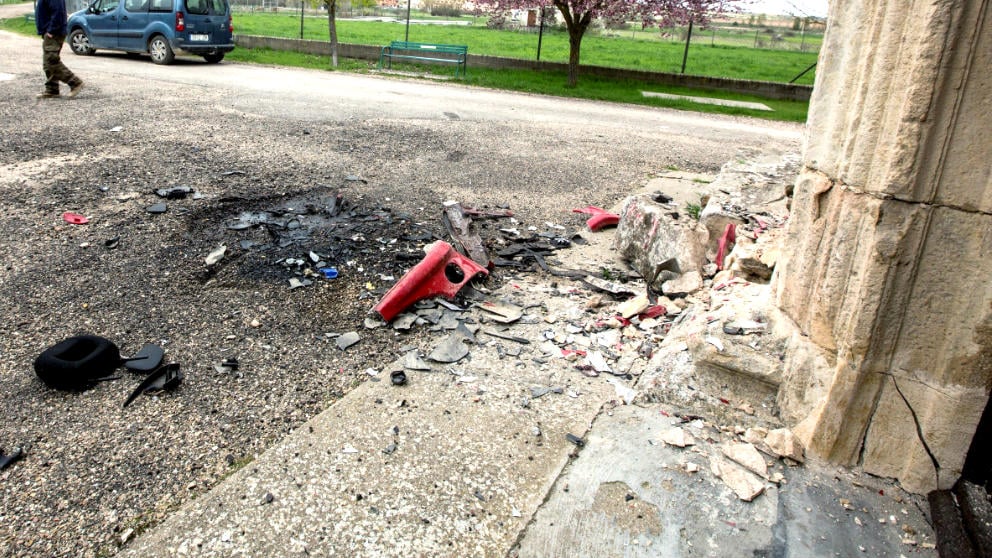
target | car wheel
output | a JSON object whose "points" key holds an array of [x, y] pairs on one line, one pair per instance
{"points": [[160, 50], [213, 58], [79, 42]]}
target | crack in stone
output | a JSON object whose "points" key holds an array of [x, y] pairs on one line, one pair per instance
{"points": [[835, 183], [919, 429]]}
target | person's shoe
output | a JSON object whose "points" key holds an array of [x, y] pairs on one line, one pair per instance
{"points": [[74, 90], [47, 95]]}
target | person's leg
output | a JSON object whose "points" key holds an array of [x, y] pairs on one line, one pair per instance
{"points": [[50, 62], [55, 70]]}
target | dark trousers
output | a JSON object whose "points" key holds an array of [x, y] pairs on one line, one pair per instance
{"points": [[55, 70]]}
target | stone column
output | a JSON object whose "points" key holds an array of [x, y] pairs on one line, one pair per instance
{"points": [[889, 279]]}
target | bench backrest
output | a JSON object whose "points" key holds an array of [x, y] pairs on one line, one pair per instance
{"points": [[428, 47]]}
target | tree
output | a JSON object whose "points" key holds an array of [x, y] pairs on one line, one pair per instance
{"points": [[332, 28], [579, 14]]}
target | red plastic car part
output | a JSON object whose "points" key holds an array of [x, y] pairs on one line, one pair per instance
{"points": [[74, 218], [600, 217], [442, 272]]}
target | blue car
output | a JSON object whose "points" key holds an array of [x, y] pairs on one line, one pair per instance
{"points": [[159, 28]]}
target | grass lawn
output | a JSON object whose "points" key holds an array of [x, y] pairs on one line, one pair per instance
{"points": [[545, 83], [620, 51]]}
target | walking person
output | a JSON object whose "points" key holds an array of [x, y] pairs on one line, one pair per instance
{"points": [[50, 18]]}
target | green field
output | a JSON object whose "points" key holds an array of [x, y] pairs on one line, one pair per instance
{"points": [[613, 49]]}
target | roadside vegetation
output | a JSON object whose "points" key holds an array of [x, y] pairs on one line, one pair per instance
{"points": [[599, 50], [652, 51]]}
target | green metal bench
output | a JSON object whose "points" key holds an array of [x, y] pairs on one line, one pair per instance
{"points": [[427, 52]]}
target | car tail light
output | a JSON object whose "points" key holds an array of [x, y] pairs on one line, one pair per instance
{"points": [[180, 22], [230, 25]]}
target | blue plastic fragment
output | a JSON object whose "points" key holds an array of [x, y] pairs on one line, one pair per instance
{"points": [[329, 272]]}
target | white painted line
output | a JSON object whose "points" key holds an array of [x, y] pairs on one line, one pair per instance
{"points": [[709, 101]]}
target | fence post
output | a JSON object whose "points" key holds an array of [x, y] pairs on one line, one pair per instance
{"points": [[685, 55]]}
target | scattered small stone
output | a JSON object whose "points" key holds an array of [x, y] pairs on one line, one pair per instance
{"points": [[747, 456], [348, 339], [785, 444], [743, 483], [216, 256], [575, 440], [677, 437]]}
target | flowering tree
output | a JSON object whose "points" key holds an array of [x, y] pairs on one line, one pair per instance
{"points": [[578, 14]]}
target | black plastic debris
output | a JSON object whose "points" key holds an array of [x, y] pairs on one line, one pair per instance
{"points": [[398, 377], [579, 442], [112, 243], [8, 460], [227, 365], [77, 363], [174, 193], [147, 358], [165, 378]]}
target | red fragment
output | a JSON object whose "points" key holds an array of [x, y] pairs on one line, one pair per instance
{"points": [[653, 312], [600, 217], [442, 272], [665, 413], [724, 246], [725, 401], [74, 218], [570, 352]]}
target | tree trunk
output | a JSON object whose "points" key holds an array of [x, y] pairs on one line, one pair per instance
{"points": [[574, 42], [332, 30], [576, 29]]}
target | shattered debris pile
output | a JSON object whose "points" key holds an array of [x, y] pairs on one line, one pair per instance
{"points": [[685, 317]]}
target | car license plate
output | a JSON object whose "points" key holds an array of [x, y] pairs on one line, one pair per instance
{"points": [[199, 37]]}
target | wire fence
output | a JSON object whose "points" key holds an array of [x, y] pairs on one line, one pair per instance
{"points": [[732, 35]]}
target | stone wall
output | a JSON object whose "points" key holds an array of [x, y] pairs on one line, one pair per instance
{"points": [[891, 229]]}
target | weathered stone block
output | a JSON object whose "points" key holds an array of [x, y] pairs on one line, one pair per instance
{"points": [[900, 112], [947, 417], [650, 237]]}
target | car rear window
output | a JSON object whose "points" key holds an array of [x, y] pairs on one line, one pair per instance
{"points": [[205, 7], [160, 6]]}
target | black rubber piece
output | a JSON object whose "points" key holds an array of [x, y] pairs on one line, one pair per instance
{"points": [[165, 378], [78, 362], [148, 358]]}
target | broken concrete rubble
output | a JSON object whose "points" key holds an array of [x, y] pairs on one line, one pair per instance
{"points": [[658, 242], [745, 485], [785, 444]]}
